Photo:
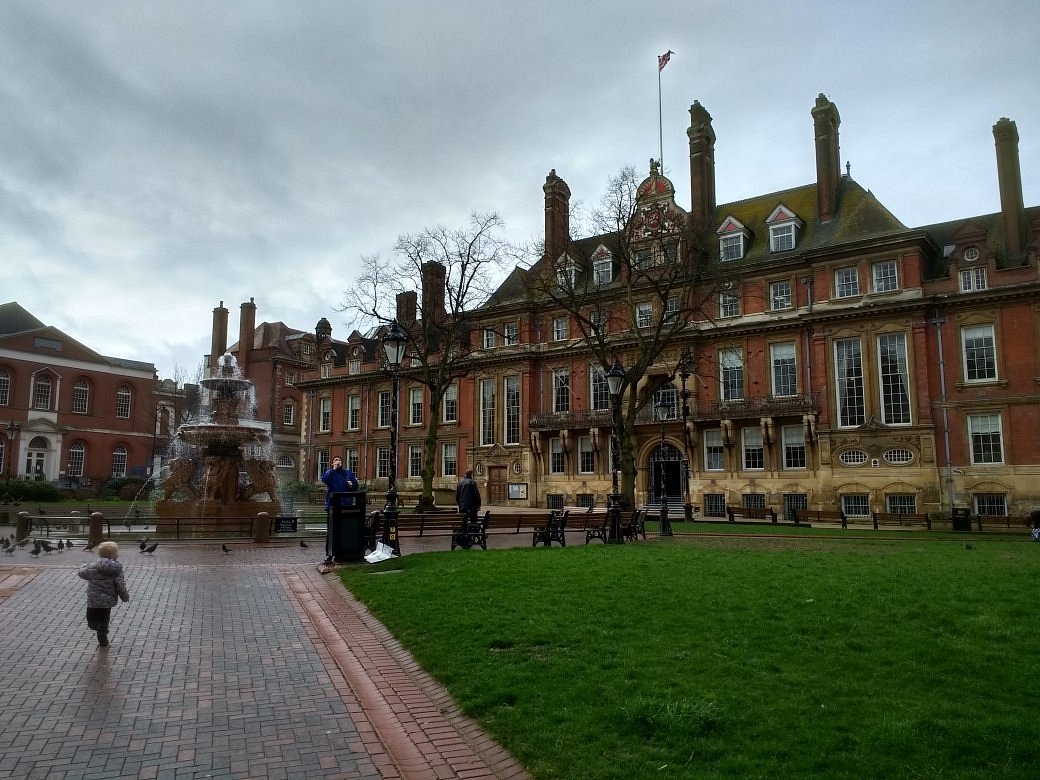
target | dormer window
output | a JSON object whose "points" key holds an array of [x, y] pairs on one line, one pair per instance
{"points": [[733, 239], [784, 227], [602, 267], [566, 273]]}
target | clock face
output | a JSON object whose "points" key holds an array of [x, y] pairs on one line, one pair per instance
{"points": [[653, 220]]}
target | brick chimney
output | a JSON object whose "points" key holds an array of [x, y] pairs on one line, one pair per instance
{"points": [[218, 340], [702, 165], [828, 159], [406, 307], [433, 280], [246, 328], [557, 215], [1009, 179]]}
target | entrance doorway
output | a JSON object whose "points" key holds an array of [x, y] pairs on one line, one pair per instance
{"points": [[496, 484], [665, 475]]}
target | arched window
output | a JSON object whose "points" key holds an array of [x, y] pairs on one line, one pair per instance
{"points": [[77, 456], [80, 397], [42, 392], [123, 403], [119, 462], [5, 387]]}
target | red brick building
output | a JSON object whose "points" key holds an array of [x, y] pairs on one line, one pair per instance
{"points": [[70, 415]]}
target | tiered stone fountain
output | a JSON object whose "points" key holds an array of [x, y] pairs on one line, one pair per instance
{"points": [[222, 468]]}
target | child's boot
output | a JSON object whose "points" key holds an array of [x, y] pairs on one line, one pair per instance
{"points": [[102, 638]]}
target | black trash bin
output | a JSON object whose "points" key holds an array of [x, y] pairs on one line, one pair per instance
{"points": [[961, 519], [347, 528]]}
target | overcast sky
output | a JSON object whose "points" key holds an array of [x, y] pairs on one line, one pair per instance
{"points": [[157, 158]]}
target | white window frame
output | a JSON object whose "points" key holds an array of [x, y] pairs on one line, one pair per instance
{"points": [[560, 329], [884, 275], [81, 397], [782, 237], [989, 424], [780, 296], [602, 270], [644, 314], [324, 415], [383, 409], [714, 450], [729, 303], [751, 442], [512, 334], [783, 362], [120, 459], [449, 459], [415, 406], [731, 247], [561, 390], [288, 413], [450, 404], [354, 366], [973, 279], [979, 358], [488, 389], [415, 460], [382, 462], [894, 379], [671, 309], [586, 455], [489, 338], [850, 382], [731, 367], [124, 402], [353, 412], [511, 418], [846, 282], [557, 457], [792, 439]]}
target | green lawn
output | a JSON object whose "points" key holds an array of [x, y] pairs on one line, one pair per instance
{"points": [[730, 657]]}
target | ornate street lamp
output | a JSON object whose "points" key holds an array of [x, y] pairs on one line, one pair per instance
{"points": [[395, 341], [615, 378], [12, 431], [662, 408]]}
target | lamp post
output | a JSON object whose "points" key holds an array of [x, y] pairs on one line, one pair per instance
{"points": [[615, 378], [394, 342], [662, 413], [12, 431]]}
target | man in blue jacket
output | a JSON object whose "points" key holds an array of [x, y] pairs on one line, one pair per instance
{"points": [[337, 479]]}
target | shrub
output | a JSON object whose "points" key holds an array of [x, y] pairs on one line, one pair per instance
{"points": [[32, 490]]}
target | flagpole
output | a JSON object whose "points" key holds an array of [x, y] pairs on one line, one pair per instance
{"points": [[660, 127]]}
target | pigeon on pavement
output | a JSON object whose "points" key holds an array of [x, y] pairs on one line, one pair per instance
{"points": [[303, 544], [151, 549], [226, 549]]}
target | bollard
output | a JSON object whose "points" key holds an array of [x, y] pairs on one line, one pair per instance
{"points": [[262, 529], [97, 521], [21, 528]]}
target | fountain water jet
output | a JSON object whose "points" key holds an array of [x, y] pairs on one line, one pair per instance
{"points": [[222, 468]]}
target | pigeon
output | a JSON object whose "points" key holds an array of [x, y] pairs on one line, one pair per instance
{"points": [[143, 544], [226, 549], [303, 544], [89, 547], [4, 543], [69, 544], [151, 549], [61, 546], [47, 546], [10, 549], [34, 551]]}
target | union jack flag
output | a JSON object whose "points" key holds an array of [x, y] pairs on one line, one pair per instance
{"points": [[662, 59]]}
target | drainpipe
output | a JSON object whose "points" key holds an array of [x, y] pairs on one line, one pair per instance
{"points": [[947, 492]]}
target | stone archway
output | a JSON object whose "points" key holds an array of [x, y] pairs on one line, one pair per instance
{"points": [[664, 475]]}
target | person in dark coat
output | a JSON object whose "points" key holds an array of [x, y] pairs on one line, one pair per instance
{"points": [[337, 479], [467, 496], [1034, 524], [105, 584]]}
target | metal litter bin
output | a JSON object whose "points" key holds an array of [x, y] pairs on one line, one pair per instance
{"points": [[961, 519], [346, 531]]}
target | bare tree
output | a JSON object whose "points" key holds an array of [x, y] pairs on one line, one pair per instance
{"points": [[636, 290], [457, 268]]}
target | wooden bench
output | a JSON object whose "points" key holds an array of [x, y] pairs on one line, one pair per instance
{"points": [[592, 522], [633, 524], [820, 516], [1008, 522], [750, 513], [552, 529], [902, 519]]}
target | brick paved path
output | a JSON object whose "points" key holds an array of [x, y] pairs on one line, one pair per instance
{"points": [[251, 665]]}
